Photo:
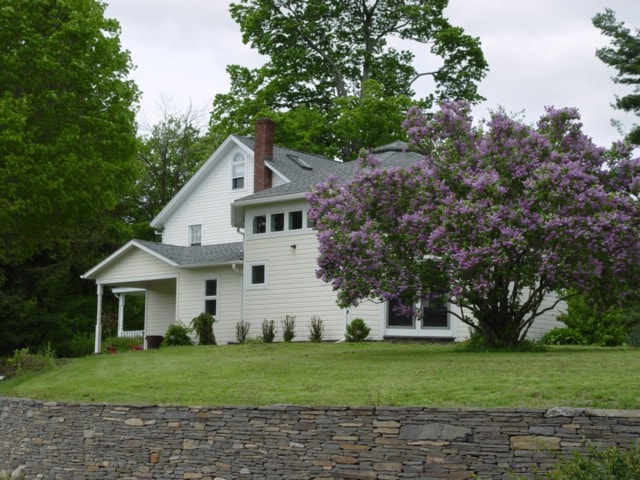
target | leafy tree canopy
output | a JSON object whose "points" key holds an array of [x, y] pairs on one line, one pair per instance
{"points": [[324, 55], [624, 55], [170, 153], [495, 218], [67, 129]]}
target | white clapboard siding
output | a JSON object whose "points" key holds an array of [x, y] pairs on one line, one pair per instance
{"points": [[293, 288], [191, 302], [209, 205], [135, 265], [160, 308]]}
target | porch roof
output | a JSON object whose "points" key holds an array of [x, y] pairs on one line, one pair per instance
{"points": [[199, 255], [177, 256]]}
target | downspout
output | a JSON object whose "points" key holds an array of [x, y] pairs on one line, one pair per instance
{"points": [[234, 267], [98, 336]]}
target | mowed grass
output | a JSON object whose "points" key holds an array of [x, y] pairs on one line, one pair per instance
{"points": [[371, 373]]}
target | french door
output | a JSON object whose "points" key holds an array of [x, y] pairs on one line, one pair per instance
{"points": [[433, 321]]}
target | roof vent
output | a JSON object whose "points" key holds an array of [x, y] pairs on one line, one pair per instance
{"points": [[298, 161]]}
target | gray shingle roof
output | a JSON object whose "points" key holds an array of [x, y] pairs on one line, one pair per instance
{"points": [[197, 255], [303, 180]]}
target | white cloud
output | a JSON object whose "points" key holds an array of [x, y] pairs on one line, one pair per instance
{"points": [[540, 53]]}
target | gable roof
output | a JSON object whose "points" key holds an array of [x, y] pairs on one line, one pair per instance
{"points": [[177, 256], [201, 174]]}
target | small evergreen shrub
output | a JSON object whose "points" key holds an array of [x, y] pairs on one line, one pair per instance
{"points": [[242, 331], [268, 331], [289, 328], [357, 330], [177, 335], [599, 463], [562, 336], [316, 329], [202, 325]]}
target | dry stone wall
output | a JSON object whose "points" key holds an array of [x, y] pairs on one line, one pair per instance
{"points": [[51, 440]]}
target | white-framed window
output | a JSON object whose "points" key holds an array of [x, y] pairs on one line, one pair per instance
{"points": [[211, 296], [260, 224], [279, 222], [238, 172], [295, 220], [258, 274], [195, 234]]}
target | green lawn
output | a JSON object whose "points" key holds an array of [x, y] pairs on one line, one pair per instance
{"points": [[372, 373]]}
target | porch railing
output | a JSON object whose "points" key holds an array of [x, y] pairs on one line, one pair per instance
{"points": [[131, 333]]}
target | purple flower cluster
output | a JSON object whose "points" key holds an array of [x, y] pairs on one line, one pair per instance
{"points": [[495, 217]]}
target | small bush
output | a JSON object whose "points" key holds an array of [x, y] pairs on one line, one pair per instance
{"points": [[203, 327], [289, 328], [177, 335], [80, 344], [23, 361], [598, 325], [242, 331], [604, 463], [562, 336], [268, 331], [316, 329], [357, 330]]}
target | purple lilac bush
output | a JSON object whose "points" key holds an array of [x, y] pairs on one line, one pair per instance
{"points": [[495, 218]]}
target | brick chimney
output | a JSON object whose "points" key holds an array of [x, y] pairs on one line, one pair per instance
{"points": [[262, 150]]}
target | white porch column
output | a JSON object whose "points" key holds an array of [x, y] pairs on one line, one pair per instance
{"points": [[122, 298], [98, 342]]}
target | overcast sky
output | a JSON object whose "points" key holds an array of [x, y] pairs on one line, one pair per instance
{"points": [[540, 53]]}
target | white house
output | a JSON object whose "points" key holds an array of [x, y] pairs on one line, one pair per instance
{"points": [[236, 243]]}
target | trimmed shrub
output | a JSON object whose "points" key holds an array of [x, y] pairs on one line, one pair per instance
{"points": [[357, 330], [242, 331], [202, 325], [177, 335], [562, 336], [268, 331], [316, 329], [289, 328]]}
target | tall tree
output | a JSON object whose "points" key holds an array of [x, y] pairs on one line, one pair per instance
{"points": [[624, 55], [494, 219], [67, 157], [170, 153], [320, 51], [67, 146]]}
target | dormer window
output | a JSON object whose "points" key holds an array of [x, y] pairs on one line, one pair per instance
{"points": [[238, 172], [195, 235]]}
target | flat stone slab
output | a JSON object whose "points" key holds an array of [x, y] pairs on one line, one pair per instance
{"points": [[434, 431]]}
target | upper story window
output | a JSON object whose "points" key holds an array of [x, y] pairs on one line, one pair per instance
{"points": [[195, 234], [260, 224], [238, 172], [278, 222], [295, 220]]}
